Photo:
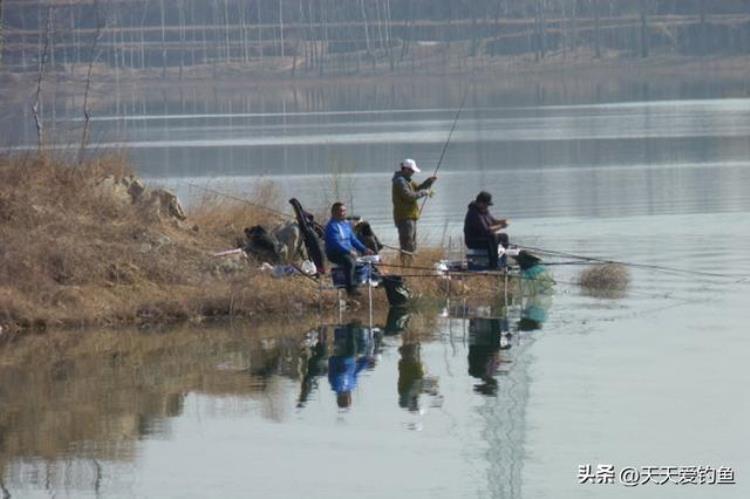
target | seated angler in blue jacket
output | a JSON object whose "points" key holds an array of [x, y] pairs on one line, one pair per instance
{"points": [[342, 245]]}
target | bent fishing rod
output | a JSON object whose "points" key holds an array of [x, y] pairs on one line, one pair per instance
{"points": [[445, 145]]}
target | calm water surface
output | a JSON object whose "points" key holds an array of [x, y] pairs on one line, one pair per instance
{"points": [[446, 405]]}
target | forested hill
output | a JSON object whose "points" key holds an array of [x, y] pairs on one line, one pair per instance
{"points": [[348, 36]]}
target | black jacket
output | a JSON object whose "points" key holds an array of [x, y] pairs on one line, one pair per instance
{"points": [[477, 227]]}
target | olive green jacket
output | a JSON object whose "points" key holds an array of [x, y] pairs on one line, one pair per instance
{"points": [[405, 193]]}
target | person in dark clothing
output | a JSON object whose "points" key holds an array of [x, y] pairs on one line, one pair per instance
{"points": [[481, 228], [342, 245]]}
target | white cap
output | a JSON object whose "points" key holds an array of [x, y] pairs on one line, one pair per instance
{"points": [[410, 164]]}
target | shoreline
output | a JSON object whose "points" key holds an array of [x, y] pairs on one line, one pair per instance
{"points": [[80, 250], [511, 71]]}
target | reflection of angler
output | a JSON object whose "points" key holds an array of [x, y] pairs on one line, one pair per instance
{"points": [[354, 350], [410, 375], [486, 340], [412, 378], [317, 365], [397, 321]]}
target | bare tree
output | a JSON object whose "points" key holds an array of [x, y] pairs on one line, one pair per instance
{"points": [[35, 107], [2, 21], [597, 29], [181, 29], [94, 55], [163, 41], [367, 29], [281, 26], [644, 28]]}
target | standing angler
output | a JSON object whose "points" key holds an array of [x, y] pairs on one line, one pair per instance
{"points": [[405, 193]]}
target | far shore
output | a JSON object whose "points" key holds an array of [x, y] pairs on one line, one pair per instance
{"points": [[505, 71]]}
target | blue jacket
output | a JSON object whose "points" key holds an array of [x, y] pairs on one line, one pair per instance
{"points": [[340, 238], [344, 371]]}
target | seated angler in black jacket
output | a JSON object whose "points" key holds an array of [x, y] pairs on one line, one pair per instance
{"points": [[481, 228]]}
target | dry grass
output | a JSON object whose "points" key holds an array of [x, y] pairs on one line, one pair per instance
{"points": [[224, 218], [73, 254]]}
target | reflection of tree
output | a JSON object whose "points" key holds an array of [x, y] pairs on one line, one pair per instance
{"points": [[93, 395]]}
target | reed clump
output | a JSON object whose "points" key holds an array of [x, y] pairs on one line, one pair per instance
{"points": [[605, 278]]}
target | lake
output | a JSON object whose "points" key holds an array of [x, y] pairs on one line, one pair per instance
{"points": [[471, 401]]}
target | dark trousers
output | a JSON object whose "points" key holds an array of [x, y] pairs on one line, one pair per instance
{"points": [[491, 245], [349, 263]]}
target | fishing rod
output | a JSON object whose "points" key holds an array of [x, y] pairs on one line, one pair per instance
{"points": [[412, 253], [445, 145], [662, 268], [278, 213]]}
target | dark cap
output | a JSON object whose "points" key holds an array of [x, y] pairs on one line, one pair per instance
{"points": [[484, 197]]}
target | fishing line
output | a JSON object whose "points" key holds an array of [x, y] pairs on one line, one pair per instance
{"points": [[278, 213], [661, 268]]}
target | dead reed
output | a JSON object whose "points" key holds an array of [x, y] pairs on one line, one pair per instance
{"points": [[605, 279]]}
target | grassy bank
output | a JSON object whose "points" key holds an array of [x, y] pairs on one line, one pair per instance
{"points": [[74, 253], [78, 250]]}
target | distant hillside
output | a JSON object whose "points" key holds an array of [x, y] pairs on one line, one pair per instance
{"points": [[353, 36]]}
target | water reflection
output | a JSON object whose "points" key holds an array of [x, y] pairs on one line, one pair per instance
{"points": [[89, 409], [487, 337], [354, 349], [413, 377], [316, 365]]}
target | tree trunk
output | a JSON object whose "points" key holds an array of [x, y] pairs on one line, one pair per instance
{"points": [[143, 35], [324, 46], [36, 105], [243, 27], [163, 41], [703, 29], [281, 27], [260, 31], [93, 56], [367, 29], [574, 29], [542, 29], [597, 29], [181, 30], [227, 40], [391, 59], [644, 29], [2, 21]]}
